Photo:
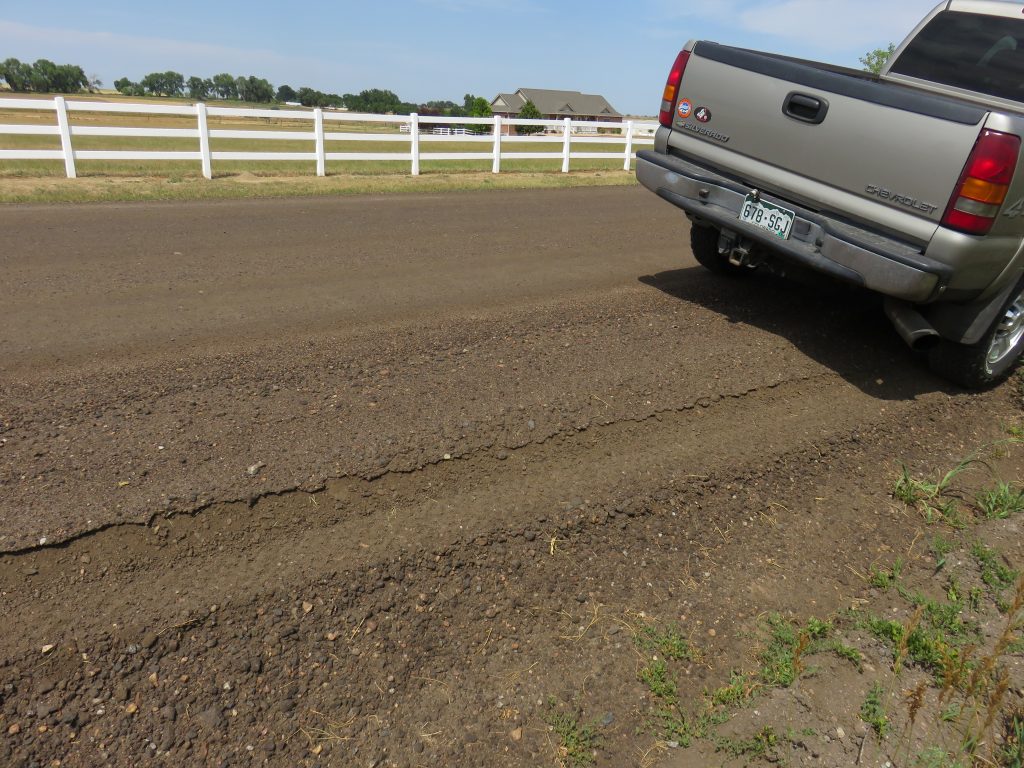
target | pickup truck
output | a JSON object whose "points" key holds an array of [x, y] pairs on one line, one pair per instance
{"points": [[907, 183]]}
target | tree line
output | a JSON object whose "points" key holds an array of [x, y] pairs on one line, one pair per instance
{"points": [[259, 90], [222, 86], [46, 77], [43, 76]]}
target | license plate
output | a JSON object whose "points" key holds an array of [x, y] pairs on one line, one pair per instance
{"points": [[776, 220]]}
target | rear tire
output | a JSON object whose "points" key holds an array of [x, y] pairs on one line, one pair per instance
{"points": [[704, 244], [992, 359]]}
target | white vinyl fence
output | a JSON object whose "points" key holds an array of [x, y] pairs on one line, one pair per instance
{"points": [[414, 130]]}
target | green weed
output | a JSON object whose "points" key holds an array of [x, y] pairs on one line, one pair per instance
{"points": [[759, 745], [787, 644], [842, 650], [872, 711], [656, 677], [669, 642], [577, 742], [818, 629], [946, 618], [781, 659], [932, 497], [936, 757], [926, 647], [672, 723], [1011, 754], [883, 579], [940, 548], [951, 713], [995, 574], [1001, 502], [974, 598], [737, 693]]}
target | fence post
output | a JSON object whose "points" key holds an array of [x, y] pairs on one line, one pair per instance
{"points": [[318, 130], [566, 144], [65, 136], [496, 165], [204, 141], [629, 144], [414, 138]]}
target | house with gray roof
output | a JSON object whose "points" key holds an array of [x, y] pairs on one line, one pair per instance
{"points": [[555, 105]]}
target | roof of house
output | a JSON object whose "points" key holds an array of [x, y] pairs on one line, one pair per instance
{"points": [[548, 102]]}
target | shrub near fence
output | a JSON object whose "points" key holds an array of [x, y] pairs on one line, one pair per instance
{"points": [[493, 143]]}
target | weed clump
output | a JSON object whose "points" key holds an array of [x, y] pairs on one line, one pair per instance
{"points": [[670, 642], [1001, 502], [577, 741], [872, 711]]}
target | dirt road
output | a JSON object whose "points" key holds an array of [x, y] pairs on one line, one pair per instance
{"points": [[354, 481]]}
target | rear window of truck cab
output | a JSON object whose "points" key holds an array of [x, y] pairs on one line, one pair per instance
{"points": [[971, 51]]}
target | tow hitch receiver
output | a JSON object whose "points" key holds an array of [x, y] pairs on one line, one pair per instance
{"points": [[739, 250]]}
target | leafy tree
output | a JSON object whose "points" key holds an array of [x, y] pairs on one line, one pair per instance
{"points": [[95, 83], [163, 83], [174, 83], [69, 78], [477, 106], [17, 75], [128, 87], [529, 112], [44, 73], [438, 108], [873, 61], [254, 88], [310, 97], [260, 90], [286, 93], [199, 88], [224, 86], [377, 101], [43, 76], [152, 83]]}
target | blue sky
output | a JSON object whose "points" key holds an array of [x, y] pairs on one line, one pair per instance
{"points": [[442, 49]]}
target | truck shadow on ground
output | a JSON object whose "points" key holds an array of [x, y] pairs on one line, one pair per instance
{"points": [[841, 327]]}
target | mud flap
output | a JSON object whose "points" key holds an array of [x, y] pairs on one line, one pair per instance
{"points": [[967, 323]]}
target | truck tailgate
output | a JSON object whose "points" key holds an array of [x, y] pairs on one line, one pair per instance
{"points": [[850, 134]]}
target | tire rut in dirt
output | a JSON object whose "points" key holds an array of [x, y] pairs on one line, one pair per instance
{"points": [[447, 645]]}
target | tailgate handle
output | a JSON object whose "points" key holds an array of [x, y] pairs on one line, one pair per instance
{"points": [[805, 108]]}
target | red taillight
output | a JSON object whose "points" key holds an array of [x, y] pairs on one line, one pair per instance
{"points": [[983, 185], [668, 98]]}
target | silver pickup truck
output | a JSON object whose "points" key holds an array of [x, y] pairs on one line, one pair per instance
{"points": [[907, 182]]}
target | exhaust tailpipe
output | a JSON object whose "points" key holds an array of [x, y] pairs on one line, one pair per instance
{"points": [[911, 325]]}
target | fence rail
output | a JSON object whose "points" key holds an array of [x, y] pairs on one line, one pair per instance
{"points": [[414, 130]]}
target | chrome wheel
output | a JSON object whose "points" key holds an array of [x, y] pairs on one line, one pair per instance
{"points": [[1007, 334]]}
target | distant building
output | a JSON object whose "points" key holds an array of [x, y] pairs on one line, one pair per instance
{"points": [[555, 105]]}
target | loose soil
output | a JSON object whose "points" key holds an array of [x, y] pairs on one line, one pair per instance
{"points": [[431, 503]]}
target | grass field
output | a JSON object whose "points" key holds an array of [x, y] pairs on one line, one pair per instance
{"points": [[44, 180]]}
